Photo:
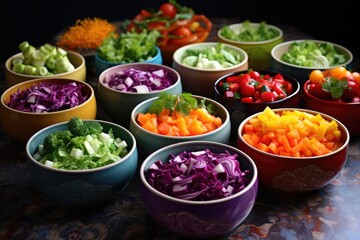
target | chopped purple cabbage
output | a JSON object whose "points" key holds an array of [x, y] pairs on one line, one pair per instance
{"points": [[198, 176], [133, 80], [48, 97]]}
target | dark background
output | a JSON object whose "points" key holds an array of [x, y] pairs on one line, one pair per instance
{"points": [[39, 21]]}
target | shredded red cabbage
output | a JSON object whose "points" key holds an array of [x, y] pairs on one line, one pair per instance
{"points": [[199, 176], [133, 80], [48, 97]]}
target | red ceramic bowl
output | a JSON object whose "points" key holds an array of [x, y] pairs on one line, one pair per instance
{"points": [[296, 174], [346, 113]]}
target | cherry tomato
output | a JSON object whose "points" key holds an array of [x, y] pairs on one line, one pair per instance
{"points": [[255, 75], [168, 10], [338, 72], [356, 76], [247, 90], [316, 76], [351, 91], [316, 90], [182, 31]]}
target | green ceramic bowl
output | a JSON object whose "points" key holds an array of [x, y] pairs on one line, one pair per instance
{"points": [[259, 51]]}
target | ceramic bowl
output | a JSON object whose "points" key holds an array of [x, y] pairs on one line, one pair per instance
{"points": [[200, 81], [239, 110], [101, 64], [257, 51], [149, 141], [119, 105], [82, 188], [346, 113], [79, 73], [205, 219], [302, 73], [22, 125], [288, 174]]}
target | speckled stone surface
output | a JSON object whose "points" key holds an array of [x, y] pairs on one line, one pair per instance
{"points": [[330, 213]]}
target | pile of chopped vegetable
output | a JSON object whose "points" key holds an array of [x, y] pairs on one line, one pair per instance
{"points": [[129, 47], [211, 57], [292, 133], [134, 80], [83, 145], [86, 33], [179, 115], [199, 176], [309, 53], [48, 97], [47, 60], [248, 33]]}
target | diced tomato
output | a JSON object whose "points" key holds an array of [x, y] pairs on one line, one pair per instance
{"points": [[247, 90], [247, 99], [234, 87], [267, 96]]}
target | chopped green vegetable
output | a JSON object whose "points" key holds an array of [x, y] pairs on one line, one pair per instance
{"points": [[309, 53], [82, 146]]}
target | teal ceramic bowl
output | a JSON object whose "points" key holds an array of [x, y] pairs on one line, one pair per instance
{"points": [[82, 188], [302, 73], [148, 141], [101, 65], [258, 51], [119, 105], [199, 219]]}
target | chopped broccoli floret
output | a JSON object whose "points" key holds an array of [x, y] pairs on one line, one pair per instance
{"points": [[55, 140], [81, 128]]}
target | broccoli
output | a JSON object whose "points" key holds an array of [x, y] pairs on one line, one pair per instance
{"points": [[81, 128], [56, 140]]}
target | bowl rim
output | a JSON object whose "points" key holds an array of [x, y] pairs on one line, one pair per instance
{"points": [[252, 24], [186, 138], [189, 145], [52, 126], [75, 54], [344, 144], [288, 43], [48, 79], [324, 101], [101, 60], [134, 65], [286, 76], [176, 56]]}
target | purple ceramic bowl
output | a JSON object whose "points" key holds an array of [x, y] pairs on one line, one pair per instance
{"points": [[199, 219]]}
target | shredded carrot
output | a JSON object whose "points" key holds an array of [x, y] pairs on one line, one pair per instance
{"points": [[86, 34]]}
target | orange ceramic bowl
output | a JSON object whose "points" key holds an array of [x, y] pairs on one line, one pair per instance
{"points": [[296, 174], [22, 125], [347, 113]]}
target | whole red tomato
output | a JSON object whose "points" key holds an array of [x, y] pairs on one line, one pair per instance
{"points": [[316, 90], [168, 10], [351, 91]]}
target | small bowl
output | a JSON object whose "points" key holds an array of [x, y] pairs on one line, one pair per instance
{"points": [[294, 175], [22, 125], [79, 73], [299, 72], [200, 81], [82, 188], [148, 141], [240, 110], [101, 64], [199, 219], [119, 105], [347, 113], [257, 51]]}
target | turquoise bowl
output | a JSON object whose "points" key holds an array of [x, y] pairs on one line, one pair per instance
{"points": [[148, 141], [101, 65], [118, 105], [82, 188]]}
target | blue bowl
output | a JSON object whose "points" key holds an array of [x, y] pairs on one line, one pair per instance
{"points": [[82, 188], [101, 64]]}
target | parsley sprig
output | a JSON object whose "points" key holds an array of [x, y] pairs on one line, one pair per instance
{"points": [[182, 103], [335, 87]]}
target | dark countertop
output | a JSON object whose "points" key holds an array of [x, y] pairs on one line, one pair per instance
{"points": [[330, 213]]}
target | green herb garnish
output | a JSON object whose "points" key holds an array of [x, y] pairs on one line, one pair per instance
{"points": [[335, 87], [182, 103]]}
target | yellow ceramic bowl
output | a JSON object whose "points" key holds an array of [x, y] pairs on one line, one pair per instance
{"points": [[79, 73], [22, 125]]}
